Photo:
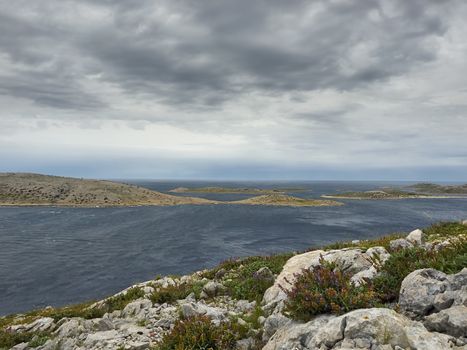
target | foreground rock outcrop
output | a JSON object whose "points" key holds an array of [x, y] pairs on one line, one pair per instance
{"points": [[430, 313]]}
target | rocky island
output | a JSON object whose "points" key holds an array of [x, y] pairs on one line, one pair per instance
{"points": [[422, 191], [24, 189], [37, 189], [234, 190], [439, 189], [402, 291], [286, 200]]}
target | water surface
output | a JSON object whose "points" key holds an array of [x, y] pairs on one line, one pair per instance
{"points": [[56, 256]]}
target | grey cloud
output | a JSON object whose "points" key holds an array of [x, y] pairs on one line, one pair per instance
{"points": [[219, 50]]}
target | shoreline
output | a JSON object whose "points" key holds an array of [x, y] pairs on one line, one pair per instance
{"points": [[396, 198]]}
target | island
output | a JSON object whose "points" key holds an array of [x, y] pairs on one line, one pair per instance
{"points": [[26, 189], [286, 200], [235, 190], [377, 194], [439, 189], [37, 189]]}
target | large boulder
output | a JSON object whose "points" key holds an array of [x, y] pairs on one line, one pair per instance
{"points": [[354, 261], [375, 328], [293, 335], [40, 325], [428, 291], [452, 321], [287, 277]]}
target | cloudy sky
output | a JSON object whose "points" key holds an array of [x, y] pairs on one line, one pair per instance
{"points": [[242, 89]]}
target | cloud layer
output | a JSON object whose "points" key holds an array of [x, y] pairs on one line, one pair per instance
{"points": [[287, 89]]}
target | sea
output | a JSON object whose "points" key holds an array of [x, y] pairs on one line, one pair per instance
{"points": [[57, 256]]}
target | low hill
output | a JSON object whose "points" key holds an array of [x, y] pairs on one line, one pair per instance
{"points": [[286, 200], [36, 189]]}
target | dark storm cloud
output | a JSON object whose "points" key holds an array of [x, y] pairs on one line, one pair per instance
{"points": [[204, 53]]}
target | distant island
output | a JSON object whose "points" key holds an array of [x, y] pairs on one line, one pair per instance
{"points": [[235, 190], [283, 199], [37, 189], [25, 189], [439, 189], [422, 190]]}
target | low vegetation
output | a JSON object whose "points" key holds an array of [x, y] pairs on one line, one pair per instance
{"points": [[173, 293], [326, 289], [450, 259], [240, 276], [198, 333]]}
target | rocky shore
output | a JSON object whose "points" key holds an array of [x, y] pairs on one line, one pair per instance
{"points": [[396, 292]]}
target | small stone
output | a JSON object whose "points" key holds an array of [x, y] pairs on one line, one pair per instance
{"points": [[416, 237], [355, 241], [213, 289], [264, 274]]}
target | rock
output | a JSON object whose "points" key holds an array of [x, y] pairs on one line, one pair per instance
{"points": [[39, 325], [213, 289], [416, 237], [101, 338], [380, 327], [349, 260], [400, 243], [361, 277], [293, 335], [264, 274], [245, 344], [219, 274], [379, 253], [199, 309], [464, 222], [428, 291], [273, 323], [292, 267], [452, 321], [245, 306], [355, 241], [136, 308]]}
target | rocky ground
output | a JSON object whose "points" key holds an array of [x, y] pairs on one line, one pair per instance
{"points": [[248, 304]]}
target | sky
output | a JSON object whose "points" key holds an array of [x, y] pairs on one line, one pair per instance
{"points": [[235, 90]]}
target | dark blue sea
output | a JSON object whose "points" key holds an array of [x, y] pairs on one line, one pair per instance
{"points": [[56, 256]]}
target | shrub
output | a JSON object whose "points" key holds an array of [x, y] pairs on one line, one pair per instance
{"points": [[171, 294], [241, 281], [119, 302], [8, 340], [198, 333], [450, 259], [326, 289]]}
